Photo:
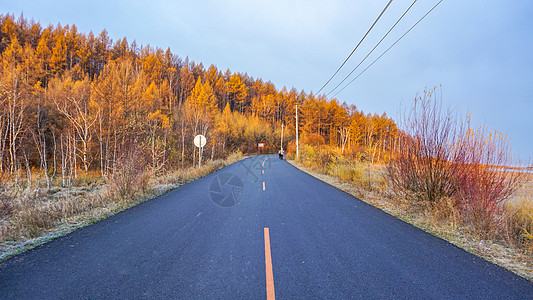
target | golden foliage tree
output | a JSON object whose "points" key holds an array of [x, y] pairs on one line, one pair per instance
{"points": [[237, 91]]}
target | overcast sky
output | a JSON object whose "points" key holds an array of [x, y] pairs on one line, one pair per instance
{"points": [[481, 51]]}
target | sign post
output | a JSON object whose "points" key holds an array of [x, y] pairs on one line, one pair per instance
{"points": [[260, 147], [200, 141]]}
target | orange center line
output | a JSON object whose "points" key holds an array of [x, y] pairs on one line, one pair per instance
{"points": [[263, 185], [271, 295]]}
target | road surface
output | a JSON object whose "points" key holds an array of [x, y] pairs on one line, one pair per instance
{"points": [[217, 236]]}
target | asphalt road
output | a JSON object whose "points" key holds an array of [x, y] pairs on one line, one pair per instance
{"points": [[206, 240]]}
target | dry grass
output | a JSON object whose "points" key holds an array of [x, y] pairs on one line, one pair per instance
{"points": [[443, 220], [519, 217], [39, 215], [367, 178]]}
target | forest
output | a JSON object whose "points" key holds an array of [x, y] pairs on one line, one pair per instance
{"points": [[73, 103]]}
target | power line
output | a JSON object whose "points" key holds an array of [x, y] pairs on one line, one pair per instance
{"points": [[389, 48], [347, 58], [393, 26]]}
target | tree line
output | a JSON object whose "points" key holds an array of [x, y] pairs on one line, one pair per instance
{"points": [[73, 103]]}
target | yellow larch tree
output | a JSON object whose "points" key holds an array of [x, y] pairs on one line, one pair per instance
{"points": [[237, 91]]}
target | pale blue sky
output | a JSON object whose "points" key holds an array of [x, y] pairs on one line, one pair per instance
{"points": [[479, 50]]}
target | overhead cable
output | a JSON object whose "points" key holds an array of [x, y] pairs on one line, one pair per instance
{"points": [[389, 48], [347, 58], [408, 9]]}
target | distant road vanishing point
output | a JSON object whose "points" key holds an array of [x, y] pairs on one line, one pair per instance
{"points": [[264, 229]]}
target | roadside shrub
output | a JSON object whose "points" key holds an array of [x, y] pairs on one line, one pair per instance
{"points": [[233, 157], [482, 187], [129, 176], [317, 158], [6, 205], [365, 177], [424, 168], [323, 158], [6, 200], [441, 158], [314, 139], [307, 154], [88, 179], [36, 218], [355, 152], [341, 169], [445, 210]]}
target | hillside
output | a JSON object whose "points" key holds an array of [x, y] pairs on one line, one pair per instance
{"points": [[74, 103]]}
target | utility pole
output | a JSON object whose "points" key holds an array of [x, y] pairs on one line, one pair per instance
{"points": [[297, 149], [282, 138]]}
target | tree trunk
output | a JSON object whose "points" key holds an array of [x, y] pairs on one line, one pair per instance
{"points": [[101, 144], [63, 162], [182, 142], [28, 169], [75, 156], [55, 153]]}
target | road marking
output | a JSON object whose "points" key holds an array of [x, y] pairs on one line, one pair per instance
{"points": [[263, 185], [271, 295], [263, 172], [264, 161]]}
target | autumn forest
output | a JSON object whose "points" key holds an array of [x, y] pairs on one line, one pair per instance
{"points": [[72, 103]]}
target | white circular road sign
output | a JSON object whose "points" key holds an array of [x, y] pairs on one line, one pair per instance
{"points": [[200, 141]]}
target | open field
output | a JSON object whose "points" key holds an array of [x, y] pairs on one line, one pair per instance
{"points": [[525, 193]]}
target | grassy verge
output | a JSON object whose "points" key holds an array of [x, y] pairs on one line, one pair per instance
{"points": [[37, 216], [366, 182]]}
